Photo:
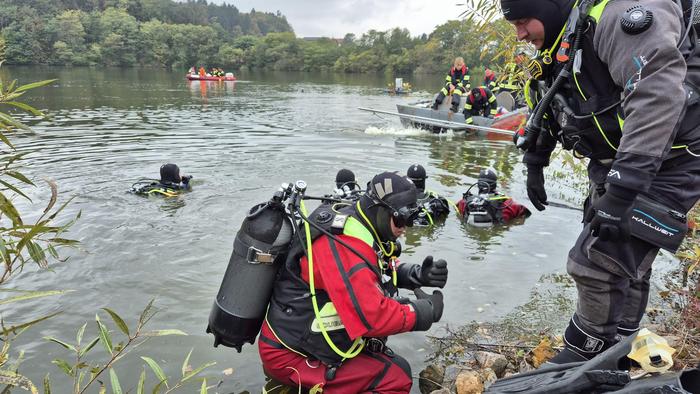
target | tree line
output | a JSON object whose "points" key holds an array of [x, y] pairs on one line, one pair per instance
{"points": [[167, 34]]}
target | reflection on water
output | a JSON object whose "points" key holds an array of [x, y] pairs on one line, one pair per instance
{"points": [[109, 127]]}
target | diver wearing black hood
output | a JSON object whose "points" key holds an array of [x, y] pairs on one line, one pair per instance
{"points": [[616, 84], [432, 206], [337, 338], [170, 184]]}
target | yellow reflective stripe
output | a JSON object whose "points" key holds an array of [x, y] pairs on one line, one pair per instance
{"points": [[448, 78], [498, 198], [354, 228], [494, 112], [430, 218], [467, 106], [444, 91], [457, 92], [526, 91], [492, 99], [597, 10], [595, 119], [359, 343], [469, 120]]}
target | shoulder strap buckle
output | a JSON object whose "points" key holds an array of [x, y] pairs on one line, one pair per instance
{"points": [[338, 224], [257, 256]]}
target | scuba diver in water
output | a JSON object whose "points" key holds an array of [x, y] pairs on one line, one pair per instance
{"points": [[489, 206], [432, 206], [329, 318], [170, 184], [346, 187]]}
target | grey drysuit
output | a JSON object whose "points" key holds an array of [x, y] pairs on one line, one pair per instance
{"points": [[649, 72]]}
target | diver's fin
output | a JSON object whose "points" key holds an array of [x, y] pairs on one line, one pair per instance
{"points": [[607, 371]]}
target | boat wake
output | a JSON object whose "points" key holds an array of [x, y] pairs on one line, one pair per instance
{"points": [[403, 131]]}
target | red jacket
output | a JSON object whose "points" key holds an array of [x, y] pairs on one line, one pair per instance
{"points": [[355, 289]]}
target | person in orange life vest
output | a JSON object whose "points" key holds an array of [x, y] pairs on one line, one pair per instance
{"points": [[202, 72], [457, 83], [490, 80], [338, 344], [489, 206], [480, 101]]}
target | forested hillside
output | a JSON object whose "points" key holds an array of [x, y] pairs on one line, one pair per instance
{"points": [[168, 34], [124, 32]]}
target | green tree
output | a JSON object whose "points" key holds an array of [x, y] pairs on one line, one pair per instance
{"points": [[119, 37], [69, 45]]}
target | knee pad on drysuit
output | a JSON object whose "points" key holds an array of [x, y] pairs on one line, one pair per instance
{"points": [[580, 345]]}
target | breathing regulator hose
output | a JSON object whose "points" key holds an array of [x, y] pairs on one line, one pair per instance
{"points": [[533, 128], [296, 207]]}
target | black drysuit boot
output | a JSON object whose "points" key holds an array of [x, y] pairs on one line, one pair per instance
{"points": [[438, 100], [580, 345]]}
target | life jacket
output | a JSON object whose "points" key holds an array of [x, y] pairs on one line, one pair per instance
{"points": [[291, 315], [594, 98], [166, 189], [457, 76]]}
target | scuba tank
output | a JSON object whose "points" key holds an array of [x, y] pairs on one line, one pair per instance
{"points": [[259, 250]]}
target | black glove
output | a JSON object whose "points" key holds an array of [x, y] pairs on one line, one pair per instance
{"points": [[433, 273], [435, 299], [610, 216], [535, 186]]}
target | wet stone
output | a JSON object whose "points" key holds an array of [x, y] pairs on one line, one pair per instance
{"points": [[431, 378], [469, 382], [496, 362]]}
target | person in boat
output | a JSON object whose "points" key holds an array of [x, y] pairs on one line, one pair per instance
{"points": [[490, 81], [488, 205], [346, 187], [637, 62], [480, 102], [457, 83], [342, 349], [202, 72], [432, 207], [170, 184]]}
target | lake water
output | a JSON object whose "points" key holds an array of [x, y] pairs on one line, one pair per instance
{"points": [[241, 140]]}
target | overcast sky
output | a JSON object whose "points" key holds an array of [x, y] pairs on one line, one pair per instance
{"points": [[334, 18]]}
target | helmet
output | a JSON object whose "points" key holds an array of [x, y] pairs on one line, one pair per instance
{"points": [[389, 196], [487, 180], [170, 173], [552, 13], [343, 177], [416, 173]]}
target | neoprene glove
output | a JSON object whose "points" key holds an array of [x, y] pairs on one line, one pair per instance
{"points": [[436, 301], [535, 186], [610, 216], [433, 273]]}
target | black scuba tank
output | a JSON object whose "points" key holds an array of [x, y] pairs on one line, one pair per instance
{"points": [[259, 249]]}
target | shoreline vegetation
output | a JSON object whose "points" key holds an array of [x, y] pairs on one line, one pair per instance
{"points": [[174, 35]]}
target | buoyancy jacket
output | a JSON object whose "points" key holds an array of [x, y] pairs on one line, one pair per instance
{"points": [[354, 297], [630, 102]]}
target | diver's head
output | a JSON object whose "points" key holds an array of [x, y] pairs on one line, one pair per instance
{"points": [[416, 173], [537, 21], [170, 173], [487, 180], [389, 205], [345, 177]]}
